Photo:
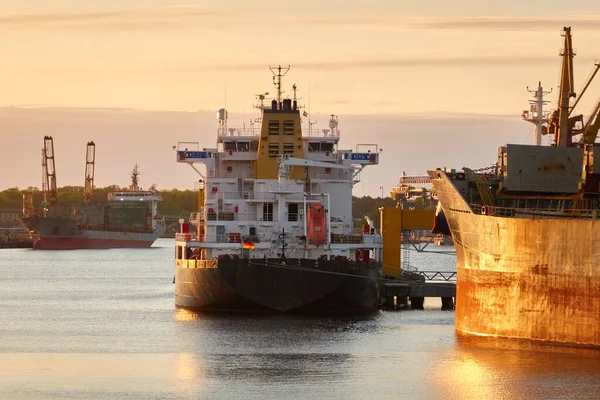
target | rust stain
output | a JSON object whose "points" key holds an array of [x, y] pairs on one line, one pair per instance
{"points": [[540, 269], [553, 167]]}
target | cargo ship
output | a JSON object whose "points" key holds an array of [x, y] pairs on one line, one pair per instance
{"points": [[274, 228], [128, 219], [526, 230]]}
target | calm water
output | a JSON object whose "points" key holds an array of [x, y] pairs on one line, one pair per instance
{"points": [[101, 324]]}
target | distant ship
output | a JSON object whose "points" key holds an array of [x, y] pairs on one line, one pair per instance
{"points": [[526, 230], [129, 219], [274, 229]]}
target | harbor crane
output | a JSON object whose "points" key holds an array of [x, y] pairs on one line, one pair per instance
{"points": [[90, 161], [49, 172]]}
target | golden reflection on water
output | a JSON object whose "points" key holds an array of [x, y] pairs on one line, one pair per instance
{"points": [[183, 315], [490, 368], [138, 373]]}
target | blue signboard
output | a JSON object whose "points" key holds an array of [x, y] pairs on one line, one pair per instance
{"points": [[184, 155], [370, 157]]}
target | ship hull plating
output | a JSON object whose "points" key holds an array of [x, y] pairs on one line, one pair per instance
{"points": [[64, 234], [297, 286], [525, 278]]}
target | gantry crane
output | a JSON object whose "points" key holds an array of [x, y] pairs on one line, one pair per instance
{"points": [[90, 161]]}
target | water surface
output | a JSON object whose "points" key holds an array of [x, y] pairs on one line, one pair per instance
{"points": [[100, 324]]}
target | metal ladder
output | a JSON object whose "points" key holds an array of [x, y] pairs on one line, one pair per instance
{"points": [[484, 191]]}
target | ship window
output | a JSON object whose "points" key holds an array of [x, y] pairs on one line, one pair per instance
{"points": [[292, 212], [314, 146], [221, 234], [267, 211], [243, 146], [229, 146], [326, 146], [273, 127], [288, 127]]}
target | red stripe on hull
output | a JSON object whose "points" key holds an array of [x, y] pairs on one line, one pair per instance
{"points": [[86, 243]]}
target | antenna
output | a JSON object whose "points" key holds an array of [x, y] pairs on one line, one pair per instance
{"points": [[536, 114], [277, 75]]}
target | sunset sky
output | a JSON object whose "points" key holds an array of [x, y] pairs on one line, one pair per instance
{"points": [[383, 60]]}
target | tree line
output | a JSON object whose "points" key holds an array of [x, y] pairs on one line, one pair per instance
{"points": [[175, 202]]}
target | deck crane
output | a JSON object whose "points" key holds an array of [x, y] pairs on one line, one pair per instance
{"points": [[559, 124], [589, 130], [50, 171], [90, 160]]}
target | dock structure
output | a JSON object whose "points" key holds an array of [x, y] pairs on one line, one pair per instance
{"points": [[402, 294], [402, 283]]}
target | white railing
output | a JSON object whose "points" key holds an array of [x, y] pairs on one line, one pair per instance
{"points": [[321, 132], [252, 131], [223, 173]]}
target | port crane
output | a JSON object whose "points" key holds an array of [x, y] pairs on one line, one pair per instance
{"points": [[49, 172], [90, 161]]}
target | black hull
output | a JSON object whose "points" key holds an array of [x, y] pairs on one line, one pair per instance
{"points": [[296, 287]]}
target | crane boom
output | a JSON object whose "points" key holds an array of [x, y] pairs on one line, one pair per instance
{"points": [[286, 163], [590, 130], [52, 196], [90, 161], [587, 83], [562, 134]]}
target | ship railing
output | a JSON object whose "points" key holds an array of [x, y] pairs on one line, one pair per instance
{"points": [[526, 212], [224, 173], [334, 173], [324, 133], [240, 216], [196, 263], [251, 131], [347, 239], [242, 195], [183, 237], [232, 237]]}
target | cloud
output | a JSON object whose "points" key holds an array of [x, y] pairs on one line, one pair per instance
{"points": [[511, 23], [507, 60], [242, 18], [156, 18]]}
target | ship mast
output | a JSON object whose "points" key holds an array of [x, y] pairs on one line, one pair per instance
{"points": [[562, 135], [535, 114], [90, 160], [134, 179], [277, 75]]}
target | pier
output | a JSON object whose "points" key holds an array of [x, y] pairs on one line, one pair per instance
{"points": [[413, 287]]}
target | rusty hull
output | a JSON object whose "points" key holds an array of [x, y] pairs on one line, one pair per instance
{"points": [[524, 278]]}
